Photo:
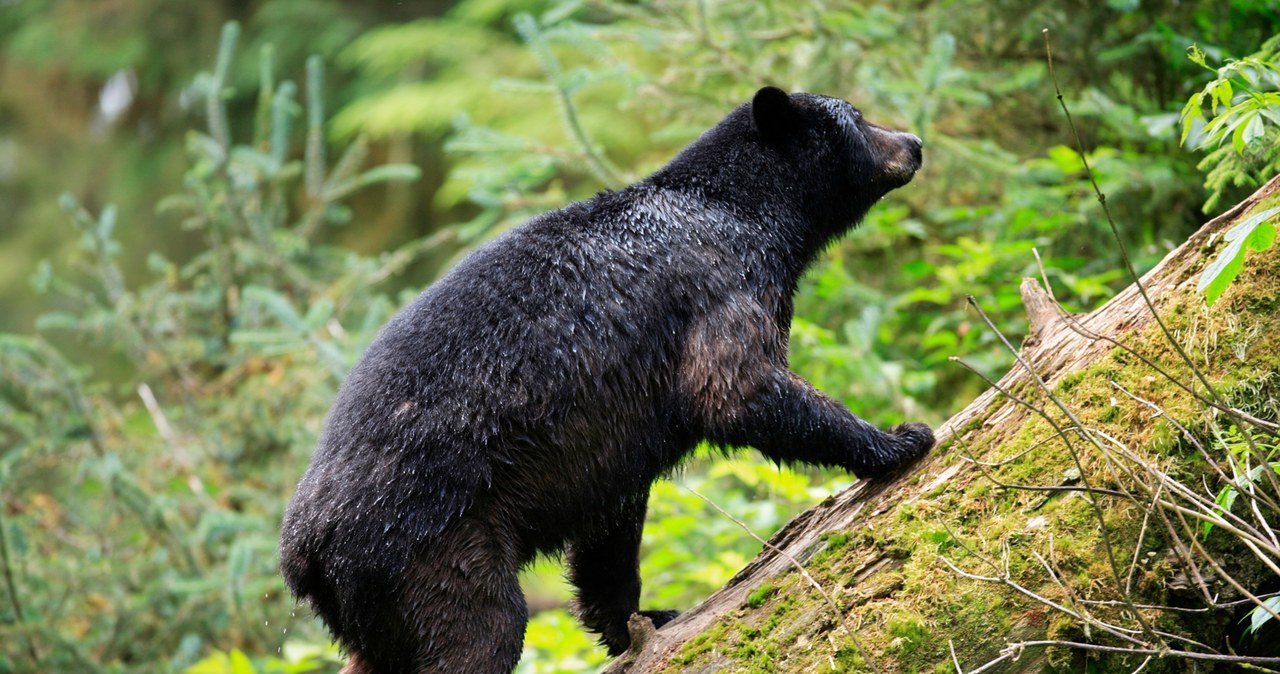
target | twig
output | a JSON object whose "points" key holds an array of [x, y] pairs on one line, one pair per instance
{"points": [[1142, 535], [1079, 328], [1075, 457], [1209, 510], [1128, 263], [165, 429], [1045, 277], [1004, 579], [1216, 657], [1186, 433], [1064, 487], [12, 586], [996, 464], [1182, 609]]}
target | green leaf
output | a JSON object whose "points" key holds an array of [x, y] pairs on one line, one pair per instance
{"points": [[1221, 272], [1197, 56], [264, 337], [523, 86], [1254, 129], [107, 222], [319, 313], [57, 320], [380, 174], [1254, 232], [389, 172], [1222, 94], [1263, 237], [240, 663], [1237, 136], [216, 663], [1259, 616]]}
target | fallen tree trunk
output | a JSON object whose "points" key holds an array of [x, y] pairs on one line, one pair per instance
{"points": [[923, 573]]}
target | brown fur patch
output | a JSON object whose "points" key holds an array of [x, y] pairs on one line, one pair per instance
{"points": [[727, 357]]}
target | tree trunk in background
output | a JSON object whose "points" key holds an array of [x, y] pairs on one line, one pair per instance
{"points": [[878, 549]]}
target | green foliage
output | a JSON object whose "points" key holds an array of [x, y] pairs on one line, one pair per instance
{"points": [[1244, 104], [141, 505], [679, 567], [294, 658], [1245, 107], [554, 643], [761, 595], [1246, 479], [1259, 616], [1244, 118], [185, 361], [1244, 475], [603, 92]]}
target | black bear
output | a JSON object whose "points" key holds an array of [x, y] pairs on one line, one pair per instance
{"points": [[524, 403]]}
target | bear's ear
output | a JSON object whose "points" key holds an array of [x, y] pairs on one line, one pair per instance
{"points": [[773, 113]]}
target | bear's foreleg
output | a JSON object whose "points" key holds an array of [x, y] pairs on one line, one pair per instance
{"points": [[790, 421]]}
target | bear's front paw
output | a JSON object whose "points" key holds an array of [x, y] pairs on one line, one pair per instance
{"points": [[912, 441]]}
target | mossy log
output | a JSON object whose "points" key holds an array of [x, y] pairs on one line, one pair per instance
{"points": [[898, 561]]}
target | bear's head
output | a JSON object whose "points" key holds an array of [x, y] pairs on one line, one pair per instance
{"points": [[846, 162], [802, 155]]}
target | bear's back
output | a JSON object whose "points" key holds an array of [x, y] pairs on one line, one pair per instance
{"points": [[557, 338]]}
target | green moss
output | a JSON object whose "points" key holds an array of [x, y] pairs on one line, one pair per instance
{"points": [[836, 540], [752, 651], [697, 646], [908, 634], [1069, 382], [761, 595], [941, 538], [849, 660]]}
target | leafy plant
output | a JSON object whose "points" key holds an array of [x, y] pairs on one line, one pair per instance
{"points": [[141, 500], [1244, 104], [1247, 479], [1244, 107], [1241, 106], [1256, 233]]}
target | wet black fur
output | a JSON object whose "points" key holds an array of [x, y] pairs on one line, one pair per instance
{"points": [[525, 402]]}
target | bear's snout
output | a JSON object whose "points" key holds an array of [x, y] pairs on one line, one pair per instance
{"points": [[901, 155]]}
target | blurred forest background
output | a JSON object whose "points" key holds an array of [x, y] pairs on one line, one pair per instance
{"points": [[195, 245]]}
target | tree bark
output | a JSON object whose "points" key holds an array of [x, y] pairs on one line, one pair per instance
{"points": [[898, 606]]}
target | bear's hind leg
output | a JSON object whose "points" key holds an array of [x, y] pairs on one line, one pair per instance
{"points": [[458, 608], [605, 568]]}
